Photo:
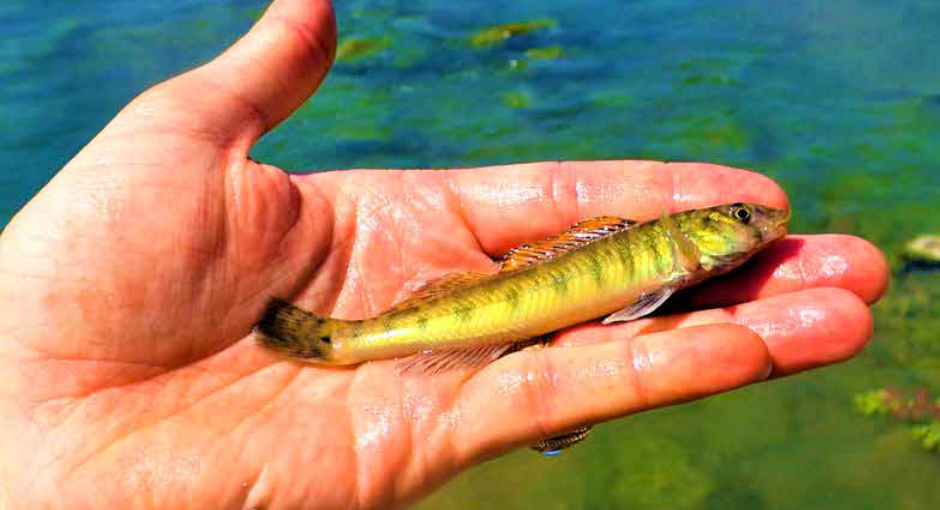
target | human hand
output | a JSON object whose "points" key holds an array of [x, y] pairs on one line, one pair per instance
{"points": [[132, 281]]}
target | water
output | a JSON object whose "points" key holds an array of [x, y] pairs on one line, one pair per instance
{"points": [[839, 101]]}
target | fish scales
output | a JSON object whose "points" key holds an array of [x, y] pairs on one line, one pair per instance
{"points": [[552, 285]]}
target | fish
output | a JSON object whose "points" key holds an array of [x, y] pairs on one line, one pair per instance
{"points": [[601, 266], [922, 252], [606, 266]]}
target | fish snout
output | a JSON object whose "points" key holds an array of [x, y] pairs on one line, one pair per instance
{"points": [[771, 222]]}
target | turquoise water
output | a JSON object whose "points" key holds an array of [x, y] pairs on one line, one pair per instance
{"points": [[837, 100]]}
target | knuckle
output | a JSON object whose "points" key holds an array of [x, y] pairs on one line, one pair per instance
{"points": [[564, 188], [638, 361], [538, 392]]}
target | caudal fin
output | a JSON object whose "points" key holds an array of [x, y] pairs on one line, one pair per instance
{"points": [[295, 332]]}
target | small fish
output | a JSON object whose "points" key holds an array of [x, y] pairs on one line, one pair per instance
{"points": [[603, 266], [923, 252], [554, 445]]}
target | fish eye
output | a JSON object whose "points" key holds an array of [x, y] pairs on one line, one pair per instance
{"points": [[740, 213]]}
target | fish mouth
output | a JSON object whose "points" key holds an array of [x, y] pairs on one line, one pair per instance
{"points": [[774, 225]]}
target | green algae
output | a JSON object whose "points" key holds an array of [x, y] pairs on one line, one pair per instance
{"points": [[928, 435], [516, 99], [616, 99], [668, 477], [615, 467], [544, 53], [491, 36], [919, 409], [353, 49], [711, 133]]}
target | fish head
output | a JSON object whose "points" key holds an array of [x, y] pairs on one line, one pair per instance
{"points": [[727, 235]]}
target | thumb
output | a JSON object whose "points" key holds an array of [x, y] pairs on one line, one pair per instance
{"points": [[268, 73]]}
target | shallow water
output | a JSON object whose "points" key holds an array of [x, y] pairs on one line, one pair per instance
{"points": [[839, 101]]}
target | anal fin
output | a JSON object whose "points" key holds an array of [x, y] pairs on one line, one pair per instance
{"points": [[435, 362]]}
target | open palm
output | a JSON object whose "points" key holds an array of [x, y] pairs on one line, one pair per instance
{"points": [[131, 283]]}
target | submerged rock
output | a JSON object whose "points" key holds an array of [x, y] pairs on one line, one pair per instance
{"points": [[493, 35]]}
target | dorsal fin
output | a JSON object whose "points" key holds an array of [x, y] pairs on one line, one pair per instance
{"points": [[578, 235], [438, 287]]}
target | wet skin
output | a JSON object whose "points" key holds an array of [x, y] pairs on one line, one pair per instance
{"points": [[131, 282]]}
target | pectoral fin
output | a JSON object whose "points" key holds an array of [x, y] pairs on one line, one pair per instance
{"points": [[643, 306]]}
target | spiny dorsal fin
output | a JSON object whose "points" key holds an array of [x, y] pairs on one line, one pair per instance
{"points": [[578, 235], [438, 287]]}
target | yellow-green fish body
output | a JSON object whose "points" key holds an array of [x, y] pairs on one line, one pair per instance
{"points": [[599, 267]]}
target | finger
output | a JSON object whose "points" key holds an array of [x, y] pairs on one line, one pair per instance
{"points": [[545, 391], [262, 78], [798, 263], [282, 60], [505, 206], [802, 330]]}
